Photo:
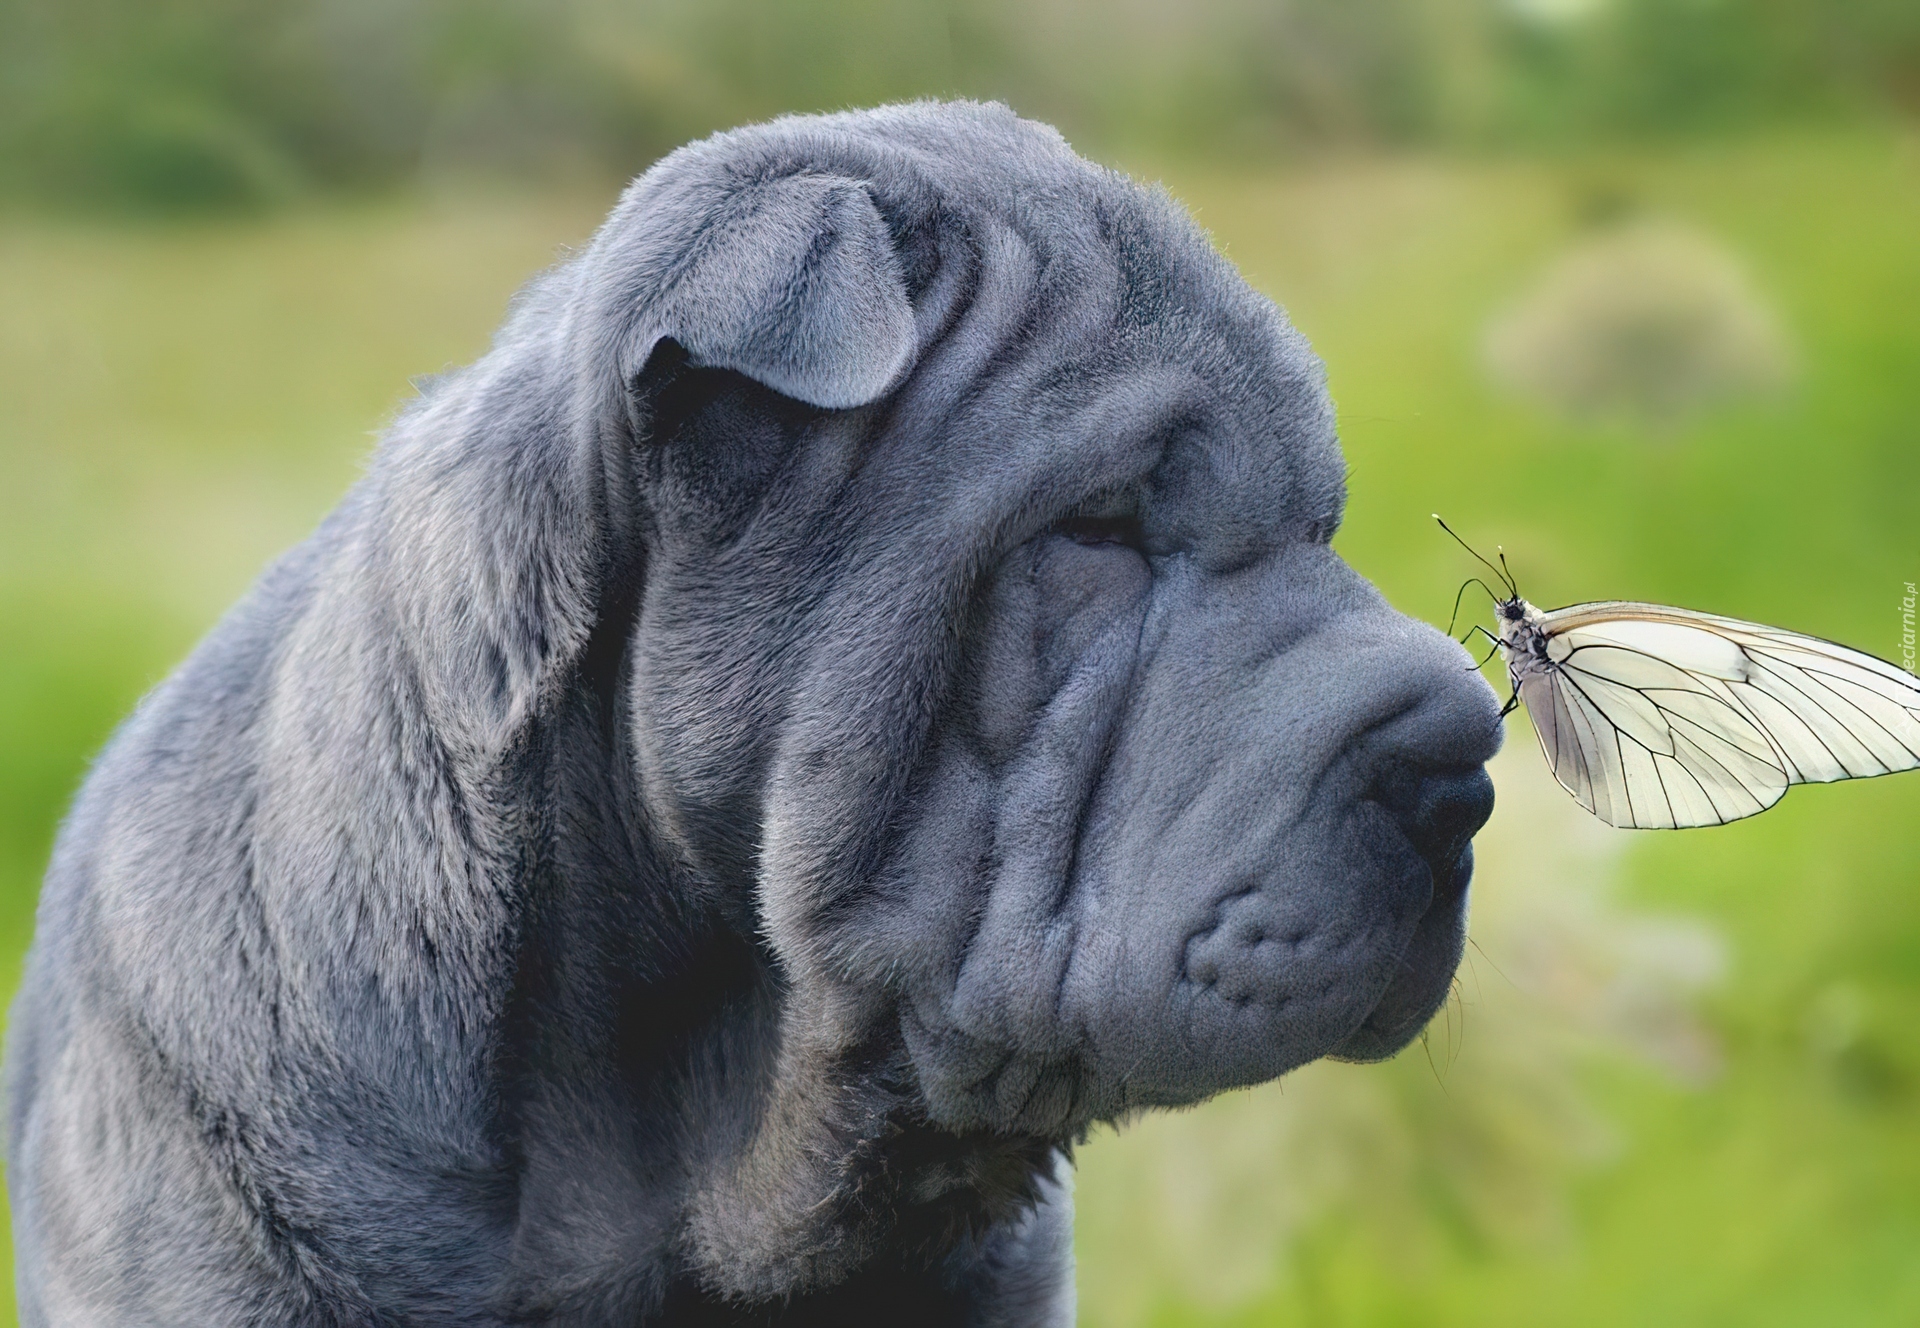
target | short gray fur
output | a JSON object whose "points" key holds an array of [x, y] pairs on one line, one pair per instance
{"points": [[693, 838]]}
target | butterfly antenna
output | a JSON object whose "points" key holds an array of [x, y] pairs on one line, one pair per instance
{"points": [[1505, 579], [1512, 585]]}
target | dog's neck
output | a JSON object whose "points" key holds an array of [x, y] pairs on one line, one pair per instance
{"points": [[755, 1138]]}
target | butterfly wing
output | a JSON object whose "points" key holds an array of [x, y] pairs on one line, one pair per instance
{"points": [[1662, 718]]}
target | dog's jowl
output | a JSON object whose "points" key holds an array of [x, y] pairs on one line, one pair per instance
{"points": [[853, 689]]}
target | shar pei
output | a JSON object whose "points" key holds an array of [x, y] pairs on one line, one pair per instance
{"points": [[852, 690]]}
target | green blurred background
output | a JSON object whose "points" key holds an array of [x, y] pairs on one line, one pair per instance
{"points": [[1631, 287]]}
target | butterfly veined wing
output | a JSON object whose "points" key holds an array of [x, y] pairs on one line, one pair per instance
{"points": [[1661, 718]]}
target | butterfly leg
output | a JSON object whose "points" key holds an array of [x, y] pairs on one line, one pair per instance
{"points": [[1513, 704], [1489, 655], [1460, 595]]}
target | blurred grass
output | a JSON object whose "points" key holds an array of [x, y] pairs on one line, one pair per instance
{"points": [[183, 402], [181, 105]]}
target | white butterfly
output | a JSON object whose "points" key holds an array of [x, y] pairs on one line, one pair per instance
{"points": [[1657, 718]]}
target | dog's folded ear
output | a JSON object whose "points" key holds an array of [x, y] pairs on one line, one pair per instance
{"points": [[792, 281]]}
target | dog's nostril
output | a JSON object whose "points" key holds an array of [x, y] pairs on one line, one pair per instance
{"points": [[1439, 809]]}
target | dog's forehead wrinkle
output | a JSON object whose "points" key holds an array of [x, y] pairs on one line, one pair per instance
{"points": [[990, 299]]}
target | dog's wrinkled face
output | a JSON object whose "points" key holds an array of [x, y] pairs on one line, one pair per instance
{"points": [[1023, 701]]}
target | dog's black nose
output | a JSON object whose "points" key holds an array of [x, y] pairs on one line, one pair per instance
{"points": [[1439, 810]]}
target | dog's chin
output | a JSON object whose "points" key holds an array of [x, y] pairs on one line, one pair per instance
{"points": [[1425, 974]]}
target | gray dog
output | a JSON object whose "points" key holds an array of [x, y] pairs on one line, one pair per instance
{"points": [[852, 690]]}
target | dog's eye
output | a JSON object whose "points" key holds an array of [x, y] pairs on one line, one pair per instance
{"points": [[1121, 530]]}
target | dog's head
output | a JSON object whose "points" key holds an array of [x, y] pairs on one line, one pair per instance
{"points": [[991, 663]]}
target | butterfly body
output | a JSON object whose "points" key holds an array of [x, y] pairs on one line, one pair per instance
{"points": [[1523, 639]]}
